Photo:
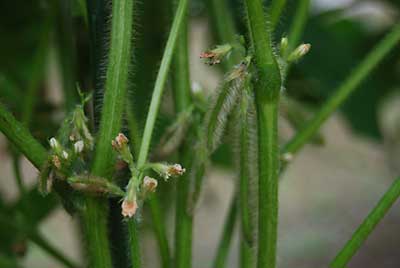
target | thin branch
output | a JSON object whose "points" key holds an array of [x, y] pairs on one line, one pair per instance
{"points": [[344, 91], [368, 225]]}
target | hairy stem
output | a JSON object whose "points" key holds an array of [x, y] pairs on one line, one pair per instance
{"points": [[116, 84], [134, 242], [267, 91], [115, 92], [368, 225], [344, 91], [298, 24], [160, 82], [276, 9], [21, 138], [246, 228]]}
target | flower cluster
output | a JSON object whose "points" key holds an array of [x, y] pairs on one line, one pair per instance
{"points": [[139, 187]]}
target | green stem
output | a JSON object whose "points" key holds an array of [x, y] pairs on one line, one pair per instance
{"points": [[18, 175], [298, 24], [267, 116], [267, 91], [94, 218], [344, 91], [368, 225], [134, 242], [22, 139], [119, 59], [160, 81], [246, 228], [116, 84], [182, 99], [226, 237], [276, 11]]}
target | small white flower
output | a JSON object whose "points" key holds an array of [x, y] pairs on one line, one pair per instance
{"points": [[78, 146], [65, 154], [299, 52], [175, 170], [54, 143]]}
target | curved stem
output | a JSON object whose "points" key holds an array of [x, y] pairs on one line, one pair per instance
{"points": [[344, 91], [368, 225], [22, 139]]}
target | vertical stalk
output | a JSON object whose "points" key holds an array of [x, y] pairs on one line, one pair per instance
{"points": [[298, 24], [369, 224], [115, 92], [267, 91], [276, 9], [182, 99], [246, 236], [159, 86]]}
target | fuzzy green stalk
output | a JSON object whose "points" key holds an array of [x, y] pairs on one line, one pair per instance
{"points": [[116, 84], [119, 58], [21, 138], [246, 238], [298, 24], [160, 81], [276, 9], [134, 242], [368, 225], [344, 91], [267, 92], [182, 100]]}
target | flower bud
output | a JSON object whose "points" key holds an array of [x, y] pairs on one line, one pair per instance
{"points": [[78, 146], [65, 155], [284, 45], [56, 161], [149, 184], [215, 55], [119, 141], [299, 52], [54, 143], [129, 208], [166, 171], [176, 170]]}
